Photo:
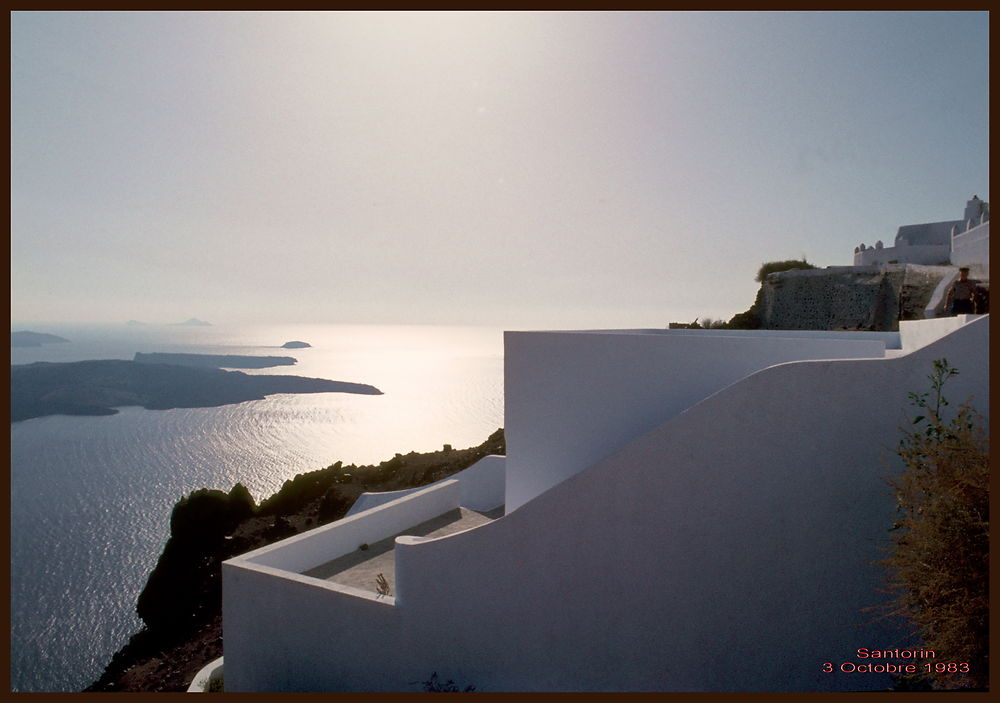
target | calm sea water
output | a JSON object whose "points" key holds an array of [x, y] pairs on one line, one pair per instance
{"points": [[91, 496]]}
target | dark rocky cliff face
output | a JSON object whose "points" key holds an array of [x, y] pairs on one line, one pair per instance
{"points": [[847, 298]]}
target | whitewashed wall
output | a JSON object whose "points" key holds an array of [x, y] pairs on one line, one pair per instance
{"points": [[728, 549], [915, 334], [972, 249], [926, 254], [481, 487], [325, 543], [573, 398], [288, 632]]}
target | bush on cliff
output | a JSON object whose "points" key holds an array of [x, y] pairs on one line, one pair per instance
{"points": [[939, 564], [210, 514], [182, 583], [334, 505], [770, 267], [298, 492]]}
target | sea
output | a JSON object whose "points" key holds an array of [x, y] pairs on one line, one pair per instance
{"points": [[91, 496]]}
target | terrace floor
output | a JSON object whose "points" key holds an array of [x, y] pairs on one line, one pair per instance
{"points": [[361, 567]]}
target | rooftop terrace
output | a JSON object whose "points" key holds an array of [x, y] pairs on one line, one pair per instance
{"points": [[361, 567]]}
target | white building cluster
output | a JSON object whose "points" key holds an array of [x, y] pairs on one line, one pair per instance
{"points": [[962, 242]]}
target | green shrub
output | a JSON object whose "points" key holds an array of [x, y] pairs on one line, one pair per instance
{"points": [[939, 564], [776, 266], [209, 514], [334, 505], [747, 320], [298, 492], [707, 324]]}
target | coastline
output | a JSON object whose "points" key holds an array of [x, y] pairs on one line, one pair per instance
{"points": [[97, 387]]}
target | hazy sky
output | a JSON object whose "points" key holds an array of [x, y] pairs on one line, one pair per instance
{"points": [[519, 169]]}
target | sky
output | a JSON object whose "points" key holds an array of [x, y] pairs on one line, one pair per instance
{"points": [[515, 168]]}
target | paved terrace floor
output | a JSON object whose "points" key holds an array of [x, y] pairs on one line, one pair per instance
{"points": [[361, 567]]}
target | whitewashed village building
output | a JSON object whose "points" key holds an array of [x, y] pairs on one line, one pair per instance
{"points": [[962, 242], [678, 510]]}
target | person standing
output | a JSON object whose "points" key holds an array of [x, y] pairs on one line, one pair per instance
{"points": [[961, 293]]}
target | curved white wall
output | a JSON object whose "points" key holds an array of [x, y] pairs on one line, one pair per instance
{"points": [[572, 398], [972, 249]]}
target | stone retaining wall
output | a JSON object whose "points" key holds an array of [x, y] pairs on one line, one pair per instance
{"points": [[848, 297]]}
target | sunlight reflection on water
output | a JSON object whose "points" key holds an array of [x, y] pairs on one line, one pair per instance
{"points": [[91, 496]]}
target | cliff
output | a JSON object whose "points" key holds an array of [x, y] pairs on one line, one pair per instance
{"points": [[181, 604], [873, 298]]}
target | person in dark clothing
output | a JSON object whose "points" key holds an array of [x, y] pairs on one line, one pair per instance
{"points": [[961, 294]]}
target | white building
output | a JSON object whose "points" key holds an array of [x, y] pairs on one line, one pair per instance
{"points": [[678, 510], [962, 242]]}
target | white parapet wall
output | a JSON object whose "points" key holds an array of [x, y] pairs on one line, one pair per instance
{"points": [[323, 544], [972, 248], [289, 632], [572, 398], [209, 674], [926, 254], [481, 487], [915, 334]]}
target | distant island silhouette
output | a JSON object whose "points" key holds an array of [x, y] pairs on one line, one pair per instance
{"points": [[296, 345], [214, 361], [25, 338], [192, 322], [98, 387]]}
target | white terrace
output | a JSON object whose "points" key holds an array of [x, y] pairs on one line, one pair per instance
{"points": [[678, 510]]}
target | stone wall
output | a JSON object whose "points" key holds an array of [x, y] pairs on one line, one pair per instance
{"points": [[848, 297]]}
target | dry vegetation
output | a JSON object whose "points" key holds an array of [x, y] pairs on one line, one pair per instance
{"points": [[939, 563]]}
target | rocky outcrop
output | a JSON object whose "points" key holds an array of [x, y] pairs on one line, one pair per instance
{"points": [[871, 298]]}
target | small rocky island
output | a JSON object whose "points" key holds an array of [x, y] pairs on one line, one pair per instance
{"points": [[296, 345], [98, 387], [25, 338], [214, 361]]}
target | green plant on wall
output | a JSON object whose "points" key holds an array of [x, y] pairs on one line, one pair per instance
{"points": [[770, 267], [938, 565]]}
